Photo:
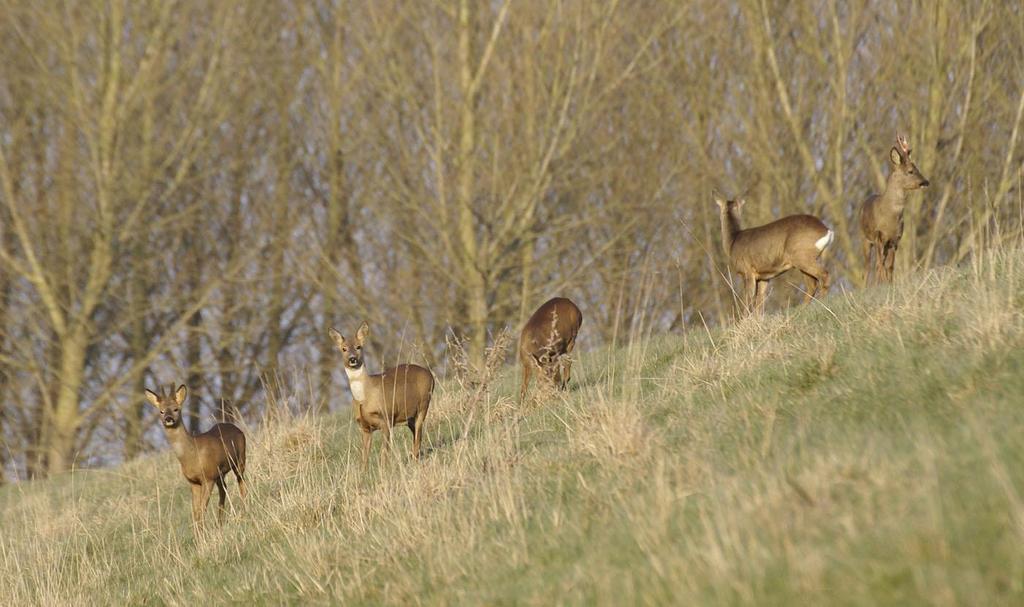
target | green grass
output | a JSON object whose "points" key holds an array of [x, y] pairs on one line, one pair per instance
{"points": [[865, 450]]}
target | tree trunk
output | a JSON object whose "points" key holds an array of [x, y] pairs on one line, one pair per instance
{"points": [[135, 413], [472, 270], [194, 381], [65, 418]]}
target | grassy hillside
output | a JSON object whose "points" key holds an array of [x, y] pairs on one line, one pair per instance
{"points": [[867, 450]]}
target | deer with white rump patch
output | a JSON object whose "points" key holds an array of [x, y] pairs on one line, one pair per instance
{"points": [[400, 395], [881, 217], [760, 254], [205, 458]]}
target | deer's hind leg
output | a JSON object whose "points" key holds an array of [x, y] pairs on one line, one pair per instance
{"points": [[865, 247], [223, 494], [816, 278], [416, 425], [526, 379], [238, 467], [810, 287], [243, 489]]}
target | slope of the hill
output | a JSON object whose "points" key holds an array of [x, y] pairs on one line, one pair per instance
{"points": [[865, 450]]}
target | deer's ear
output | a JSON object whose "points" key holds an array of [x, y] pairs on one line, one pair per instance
{"points": [[338, 338], [180, 394], [153, 398], [363, 332], [895, 157], [719, 202], [740, 203]]}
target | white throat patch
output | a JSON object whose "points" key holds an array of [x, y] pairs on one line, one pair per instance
{"points": [[357, 382]]}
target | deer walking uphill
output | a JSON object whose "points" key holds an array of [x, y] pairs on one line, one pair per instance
{"points": [[762, 253], [881, 217], [546, 341], [400, 395], [205, 458]]}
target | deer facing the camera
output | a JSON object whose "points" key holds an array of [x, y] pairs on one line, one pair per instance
{"points": [[760, 254], [205, 458], [400, 395], [881, 216], [546, 341]]}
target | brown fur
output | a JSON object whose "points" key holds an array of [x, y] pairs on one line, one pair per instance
{"points": [[400, 395], [762, 253], [881, 216], [547, 339], [205, 458]]}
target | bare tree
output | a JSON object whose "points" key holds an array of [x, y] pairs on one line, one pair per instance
{"points": [[193, 191]]}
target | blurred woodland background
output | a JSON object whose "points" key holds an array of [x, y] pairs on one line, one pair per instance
{"points": [[193, 191]]}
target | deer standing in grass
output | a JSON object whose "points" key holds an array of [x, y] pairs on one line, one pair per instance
{"points": [[547, 340], [881, 216], [762, 253], [205, 458], [400, 395]]}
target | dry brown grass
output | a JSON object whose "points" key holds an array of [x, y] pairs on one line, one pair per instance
{"points": [[865, 454]]}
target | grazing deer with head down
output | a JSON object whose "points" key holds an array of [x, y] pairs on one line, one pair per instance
{"points": [[546, 341], [400, 395], [762, 253], [881, 216], [205, 458]]}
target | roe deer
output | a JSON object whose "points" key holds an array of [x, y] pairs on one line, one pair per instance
{"points": [[762, 253], [400, 395], [205, 458], [546, 341], [881, 216]]}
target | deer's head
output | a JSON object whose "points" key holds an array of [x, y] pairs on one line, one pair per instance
{"points": [[730, 207], [169, 405], [351, 350], [905, 174]]}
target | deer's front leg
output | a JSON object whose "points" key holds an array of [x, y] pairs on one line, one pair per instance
{"points": [[762, 292], [750, 292], [367, 437], [890, 261], [197, 515], [385, 430], [205, 490]]}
